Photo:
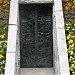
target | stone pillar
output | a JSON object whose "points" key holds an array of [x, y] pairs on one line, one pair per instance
{"points": [[61, 64], [13, 43]]}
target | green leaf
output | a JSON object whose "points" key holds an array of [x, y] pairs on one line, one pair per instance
{"points": [[2, 31], [66, 12], [2, 23]]}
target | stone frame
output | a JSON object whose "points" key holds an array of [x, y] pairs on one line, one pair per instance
{"points": [[60, 56], [34, 1], [61, 64]]}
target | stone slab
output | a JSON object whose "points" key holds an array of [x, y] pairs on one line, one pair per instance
{"points": [[18, 45], [55, 52], [17, 64], [62, 52], [13, 13], [15, 1], [11, 43], [60, 56], [59, 20], [35, 1], [10, 64], [58, 5], [37, 71]]}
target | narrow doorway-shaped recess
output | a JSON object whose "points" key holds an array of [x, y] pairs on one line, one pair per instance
{"points": [[36, 39]]}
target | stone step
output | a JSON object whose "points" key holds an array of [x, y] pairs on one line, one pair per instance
{"points": [[36, 71]]}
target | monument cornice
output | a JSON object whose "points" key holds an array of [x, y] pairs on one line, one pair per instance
{"points": [[35, 1]]}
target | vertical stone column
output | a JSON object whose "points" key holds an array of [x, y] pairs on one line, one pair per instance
{"points": [[61, 64], [13, 43]]}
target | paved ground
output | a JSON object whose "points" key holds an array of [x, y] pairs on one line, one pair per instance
{"points": [[36, 71]]}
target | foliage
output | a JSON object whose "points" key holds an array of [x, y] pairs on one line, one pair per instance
{"points": [[3, 47], [4, 16], [69, 16]]}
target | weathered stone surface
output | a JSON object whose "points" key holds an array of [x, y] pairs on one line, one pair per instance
{"points": [[37, 71], [10, 64], [13, 45], [13, 12], [35, 1], [12, 32], [62, 52], [17, 54], [60, 55], [55, 53], [15, 1], [58, 5], [59, 18]]}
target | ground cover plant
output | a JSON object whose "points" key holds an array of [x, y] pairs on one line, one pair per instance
{"points": [[69, 18], [4, 17]]}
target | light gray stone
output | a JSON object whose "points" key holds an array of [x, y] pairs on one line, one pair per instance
{"points": [[12, 33], [54, 21], [10, 64], [13, 13], [58, 5], [55, 52], [37, 71], [18, 38], [59, 20], [13, 45], [17, 64], [15, 1], [62, 52], [35, 1], [61, 65]]}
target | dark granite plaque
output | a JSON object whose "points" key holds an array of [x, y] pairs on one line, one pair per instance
{"points": [[36, 35]]}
